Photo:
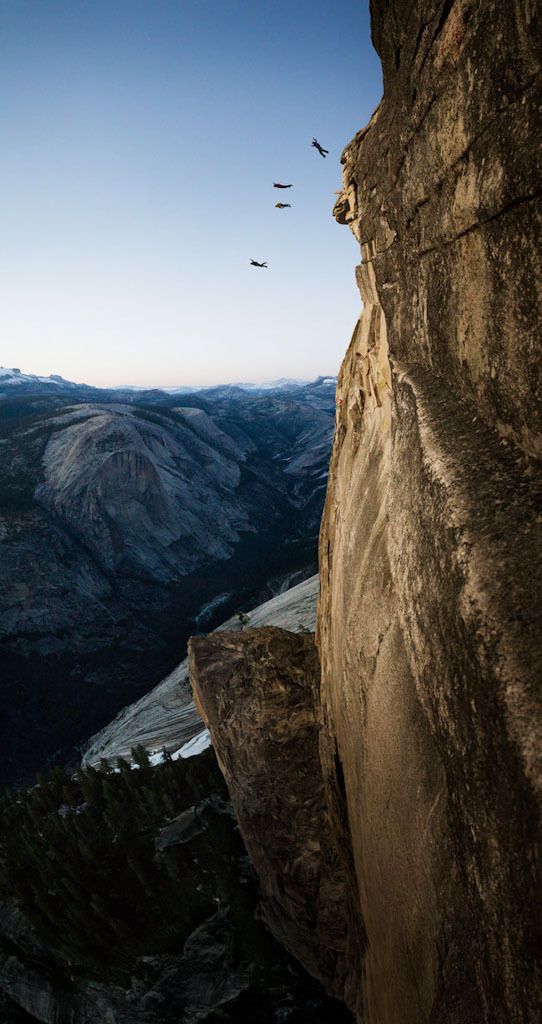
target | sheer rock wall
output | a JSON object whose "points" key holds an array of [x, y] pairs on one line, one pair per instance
{"points": [[424, 776], [429, 617]]}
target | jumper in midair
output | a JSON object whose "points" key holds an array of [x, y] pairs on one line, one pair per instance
{"points": [[277, 184], [323, 152], [282, 206], [254, 263]]}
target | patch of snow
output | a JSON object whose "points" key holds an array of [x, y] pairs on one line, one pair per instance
{"points": [[194, 747], [154, 759]]}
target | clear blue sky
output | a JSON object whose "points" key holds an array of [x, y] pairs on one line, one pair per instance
{"points": [[140, 141]]}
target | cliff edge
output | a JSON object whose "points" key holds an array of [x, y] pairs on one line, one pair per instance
{"points": [[430, 611], [428, 777]]}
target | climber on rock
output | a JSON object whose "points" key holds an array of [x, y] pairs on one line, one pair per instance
{"points": [[323, 152], [277, 184], [254, 263], [282, 206]]}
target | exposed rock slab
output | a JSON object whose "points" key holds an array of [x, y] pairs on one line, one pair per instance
{"points": [[294, 610], [144, 490], [430, 612], [257, 691]]}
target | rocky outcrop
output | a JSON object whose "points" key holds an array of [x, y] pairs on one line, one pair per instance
{"points": [[189, 987], [167, 717], [429, 618], [258, 694]]}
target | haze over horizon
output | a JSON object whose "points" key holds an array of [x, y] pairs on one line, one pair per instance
{"points": [[170, 387], [141, 142]]}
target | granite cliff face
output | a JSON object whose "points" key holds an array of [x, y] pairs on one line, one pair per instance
{"points": [[429, 619]]}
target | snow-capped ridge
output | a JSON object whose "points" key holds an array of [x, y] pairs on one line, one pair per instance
{"points": [[15, 377]]}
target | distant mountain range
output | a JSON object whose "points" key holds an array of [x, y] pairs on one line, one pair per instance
{"points": [[13, 377], [129, 520]]}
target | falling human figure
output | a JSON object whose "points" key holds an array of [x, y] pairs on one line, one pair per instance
{"points": [[282, 206], [254, 263], [323, 152], [277, 184]]}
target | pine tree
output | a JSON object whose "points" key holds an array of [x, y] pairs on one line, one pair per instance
{"points": [[141, 756]]}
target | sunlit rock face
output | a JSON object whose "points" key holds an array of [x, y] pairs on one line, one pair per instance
{"points": [[429, 616]]}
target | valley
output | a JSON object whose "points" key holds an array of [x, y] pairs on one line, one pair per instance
{"points": [[126, 526]]}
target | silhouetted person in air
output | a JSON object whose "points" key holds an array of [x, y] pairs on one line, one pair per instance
{"points": [[277, 184], [323, 152], [282, 206], [254, 263]]}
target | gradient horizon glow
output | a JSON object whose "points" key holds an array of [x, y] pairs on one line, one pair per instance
{"points": [[140, 142]]}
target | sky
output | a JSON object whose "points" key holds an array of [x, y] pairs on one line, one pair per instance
{"points": [[140, 141]]}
